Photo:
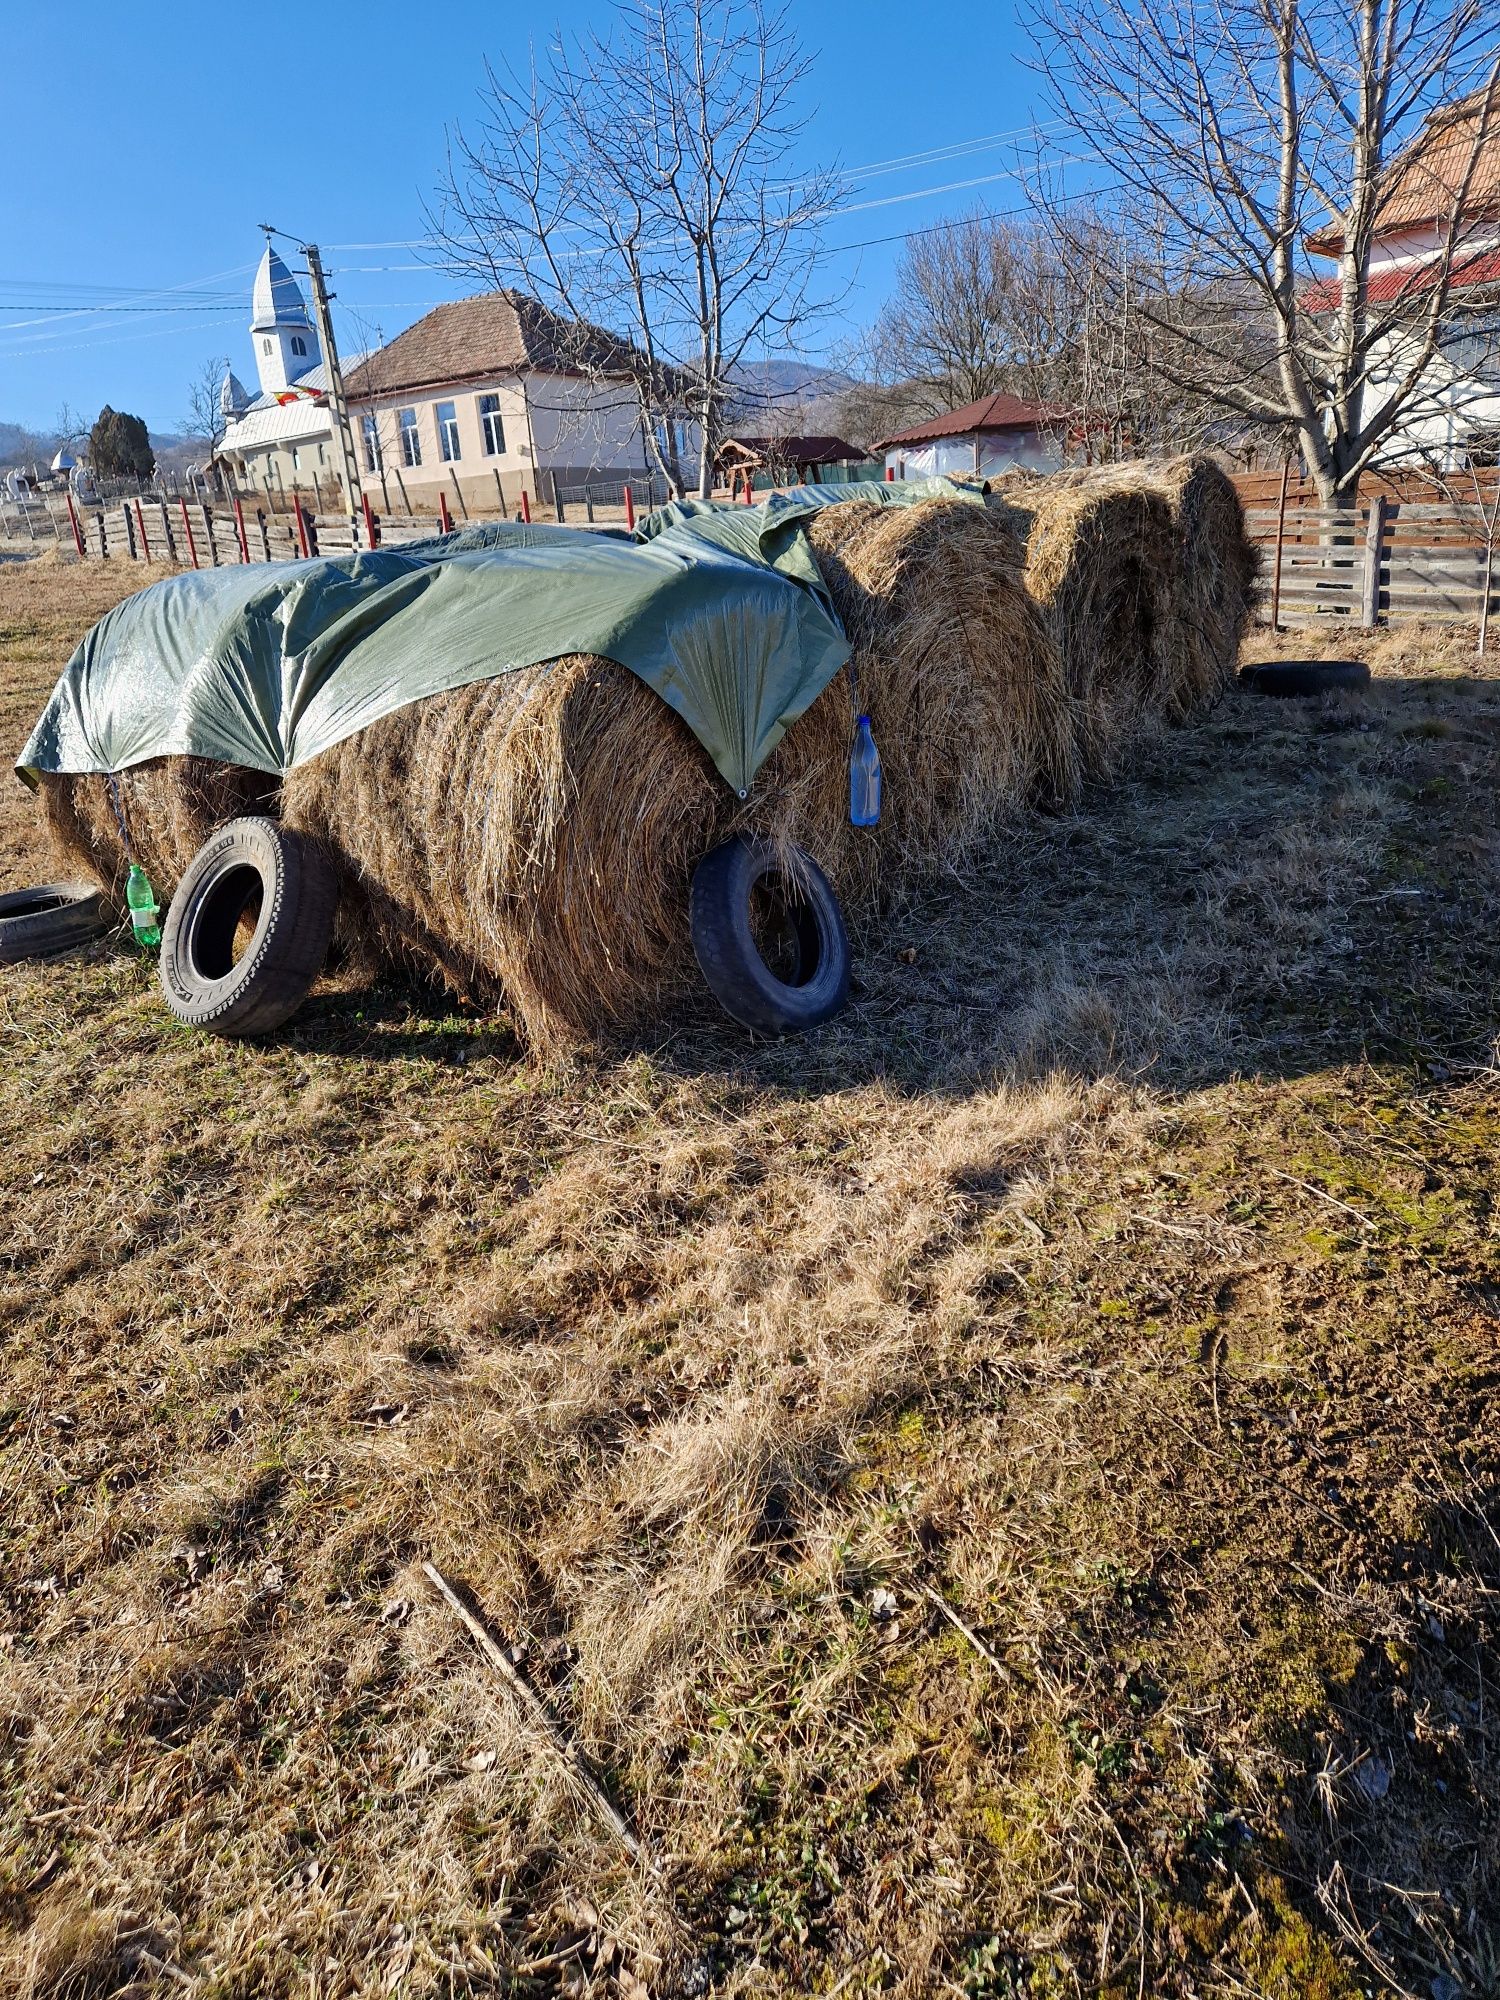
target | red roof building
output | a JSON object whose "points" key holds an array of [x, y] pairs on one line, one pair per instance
{"points": [[996, 434]]}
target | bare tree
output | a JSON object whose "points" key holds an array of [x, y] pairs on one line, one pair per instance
{"points": [[205, 419], [70, 429], [979, 306], [1231, 129], [640, 181], [987, 304]]}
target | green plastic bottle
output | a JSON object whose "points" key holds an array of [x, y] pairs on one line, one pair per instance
{"points": [[144, 909]]}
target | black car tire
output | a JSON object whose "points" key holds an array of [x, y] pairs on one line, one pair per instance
{"points": [[57, 917], [724, 938], [293, 880], [1306, 677]]}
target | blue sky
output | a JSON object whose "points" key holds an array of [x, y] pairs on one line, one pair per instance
{"points": [[169, 131]]}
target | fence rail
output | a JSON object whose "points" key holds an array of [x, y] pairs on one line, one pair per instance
{"points": [[209, 532], [1404, 551]]}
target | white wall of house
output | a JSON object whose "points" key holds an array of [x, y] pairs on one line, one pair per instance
{"points": [[1457, 395], [983, 456], [582, 425], [1450, 404], [548, 423], [466, 447]]}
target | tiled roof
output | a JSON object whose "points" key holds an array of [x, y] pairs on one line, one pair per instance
{"points": [[494, 333], [1000, 412], [1423, 181], [817, 449], [1400, 281]]}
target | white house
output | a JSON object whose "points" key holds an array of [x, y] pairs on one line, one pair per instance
{"points": [[1459, 396], [281, 438], [994, 435], [492, 395]]}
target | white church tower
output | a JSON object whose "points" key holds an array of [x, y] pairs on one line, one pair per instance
{"points": [[286, 346]]}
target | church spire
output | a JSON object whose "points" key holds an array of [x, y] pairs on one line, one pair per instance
{"points": [[286, 346]]}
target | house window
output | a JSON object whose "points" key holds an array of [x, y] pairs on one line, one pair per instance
{"points": [[491, 428], [371, 428], [322, 454], [265, 347], [411, 442], [296, 459], [447, 430], [299, 345]]}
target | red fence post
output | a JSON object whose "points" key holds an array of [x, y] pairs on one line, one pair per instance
{"points": [[187, 528], [239, 529], [629, 510], [73, 517], [525, 505], [443, 515], [301, 520], [890, 472], [372, 537], [140, 521]]}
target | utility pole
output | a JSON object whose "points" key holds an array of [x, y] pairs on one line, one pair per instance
{"points": [[337, 401]]}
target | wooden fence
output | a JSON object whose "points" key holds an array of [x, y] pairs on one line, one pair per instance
{"points": [[209, 533], [1404, 551]]}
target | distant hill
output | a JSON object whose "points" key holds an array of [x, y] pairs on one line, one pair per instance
{"points": [[772, 392]]}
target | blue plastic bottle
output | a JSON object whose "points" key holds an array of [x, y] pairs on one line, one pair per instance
{"points": [[864, 777]]}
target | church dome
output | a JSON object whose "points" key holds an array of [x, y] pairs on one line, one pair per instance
{"points": [[276, 301]]}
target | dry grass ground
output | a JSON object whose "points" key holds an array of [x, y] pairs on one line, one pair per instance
{"points": [[1122, 1272]]}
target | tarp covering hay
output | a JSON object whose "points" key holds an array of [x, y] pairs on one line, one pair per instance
{"points": [[1147, 576], [535, 835]]}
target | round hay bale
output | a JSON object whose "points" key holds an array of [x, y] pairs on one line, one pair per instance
{"points": [[170, 806], [1219, 576], [962, 680], [1101, 561], [535, 835]]}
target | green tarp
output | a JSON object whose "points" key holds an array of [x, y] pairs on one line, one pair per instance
{"points": [[719, 609]]}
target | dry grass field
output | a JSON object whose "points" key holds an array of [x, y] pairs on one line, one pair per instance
{"points": [[1003, 1491]]}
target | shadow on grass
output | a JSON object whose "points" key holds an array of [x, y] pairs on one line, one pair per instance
{"points": [[1286, 887]]}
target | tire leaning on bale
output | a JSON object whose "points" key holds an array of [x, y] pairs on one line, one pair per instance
{"points": [[251, 871], [1305, 678], [58, 917], [746, 904]]}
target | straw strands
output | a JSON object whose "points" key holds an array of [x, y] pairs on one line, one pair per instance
{"points": [[535, 835], [169, 805], [1148, 581], [532, 838]]}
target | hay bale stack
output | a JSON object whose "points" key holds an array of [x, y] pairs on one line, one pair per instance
{"points": [[1149, 579], [961, 677], [1101, 559], [534, 836], [170, 806], [1218, 576]]}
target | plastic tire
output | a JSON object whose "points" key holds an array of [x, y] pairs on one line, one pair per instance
{"points": [[58, 917], [746, 987], [1306, 677], [205, 984]]}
